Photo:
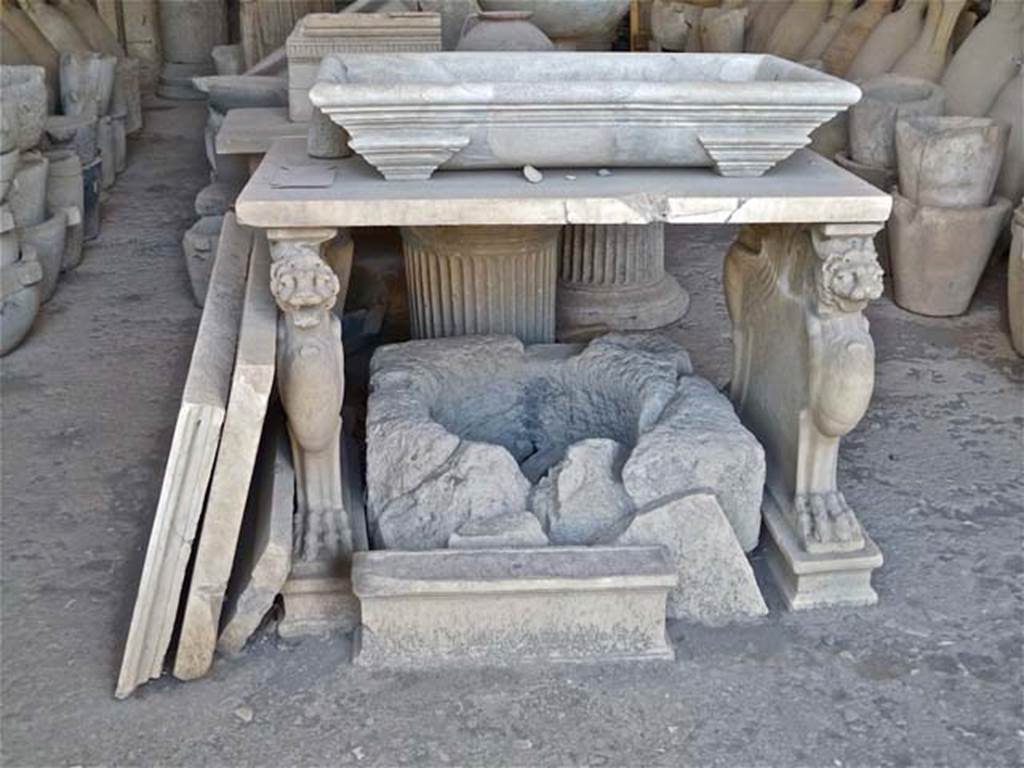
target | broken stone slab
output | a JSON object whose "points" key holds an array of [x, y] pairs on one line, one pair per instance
{"points": [[873, 119], [186, 478], [512, 606], [581, 498], [264, 556], [716, 583], [699, 443], [251, 382], [515, 530]]}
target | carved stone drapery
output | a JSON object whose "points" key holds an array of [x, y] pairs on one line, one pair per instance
{"points": [[803, 374]]}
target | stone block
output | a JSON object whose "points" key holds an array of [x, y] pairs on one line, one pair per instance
{"points": [[512, 606]]}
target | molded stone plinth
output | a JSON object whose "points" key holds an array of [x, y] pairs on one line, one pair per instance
{"points": [[482, 280], [511, 606], [612, 278]]}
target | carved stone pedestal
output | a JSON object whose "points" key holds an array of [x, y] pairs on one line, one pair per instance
{"points": [[612, 278], [803, 373], [482, 280]]}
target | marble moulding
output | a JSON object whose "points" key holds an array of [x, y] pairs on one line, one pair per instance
{"points": [[411, 113], [469, 438]]}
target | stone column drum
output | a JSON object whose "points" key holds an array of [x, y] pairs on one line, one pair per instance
{"points": [[612, 278], [482, 280]]}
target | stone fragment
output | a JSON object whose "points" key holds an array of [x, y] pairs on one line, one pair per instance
{"points": [[603, 172], [189, 464], [581, 498], [716, 582], [532, 175], [216, 199], [512, 606], [200, 244], [510, 531], [251, 382], [699, 443], [265, 548]]}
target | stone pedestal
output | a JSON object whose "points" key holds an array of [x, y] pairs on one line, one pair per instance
{"points": [[612, 278], [482, 280]]}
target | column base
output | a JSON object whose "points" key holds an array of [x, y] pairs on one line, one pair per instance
{"points": [[808, 580], [584, 311], [317, 600]]}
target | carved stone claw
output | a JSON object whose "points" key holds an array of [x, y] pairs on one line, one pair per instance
{"points": [[826, 520]]}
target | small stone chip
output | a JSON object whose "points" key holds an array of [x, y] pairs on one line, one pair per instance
{"points": [[570, 177], [532, 174], [245, 714], [603, 172]]}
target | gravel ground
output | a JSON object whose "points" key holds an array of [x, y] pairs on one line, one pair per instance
{"points": [[931, 676]]}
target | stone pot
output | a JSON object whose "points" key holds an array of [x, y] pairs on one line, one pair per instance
{"points": [[583, 24], [764, 18], [853, 34], [20, 294], [23, 94], [939, 254], [200, 248], [189, 29], [453, 18], [671, 24], [502, 31], [9, 162], [77, 133], [90, 26], [28, 193], [722, 30], [48, 239], [882, 178], [889, 41], [1015, 282], [796, 28], [228, 59], [325, 139], [86, 83], [927, 57], [119, 124], [1009, 110], [55, 26], [127, 97], [65, 192], [988, 59], [92, 183], [949, 162], [873, 118], [17, 26], [107, 142]]}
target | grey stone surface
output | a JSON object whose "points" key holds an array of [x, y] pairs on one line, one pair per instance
{"points": [[512, 606], [700, 443], [716, 583], [517, 529], [930, 676]]}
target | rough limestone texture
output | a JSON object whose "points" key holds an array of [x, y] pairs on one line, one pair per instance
{"points": [[700, 443], [520, 529], [582, 497], [716, 582], [464, 429]]}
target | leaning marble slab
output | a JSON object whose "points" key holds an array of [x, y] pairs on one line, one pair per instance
{"points": [[189, 465], [804, 188], [409, 114], [252, 131], [251, 384]]}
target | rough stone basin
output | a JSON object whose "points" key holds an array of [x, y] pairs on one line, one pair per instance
{"points": [[409, 114], [480, 439]]}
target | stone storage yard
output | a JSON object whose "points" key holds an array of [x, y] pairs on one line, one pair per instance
{"points": [[931, 675]]}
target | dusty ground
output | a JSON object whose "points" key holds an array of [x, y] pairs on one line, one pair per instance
{"points": [[932, 676]]}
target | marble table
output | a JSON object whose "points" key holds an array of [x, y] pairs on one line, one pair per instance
{"points": [[796, 283]]}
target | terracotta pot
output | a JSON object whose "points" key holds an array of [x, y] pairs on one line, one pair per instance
{"points": [[502, 31], [763, 22], [189, 29], [48, 240], [889, 41], [1015, 282], [853, 33], [988, 59], [23, 94], [1008, 109], [949, 162], [90, 26], [20, 293], [927, 57], [796, 28], [55, 26], [873, 119], [28, 193], [939, 254], [823, 37]]}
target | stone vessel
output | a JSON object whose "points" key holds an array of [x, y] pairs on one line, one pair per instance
{"points": [[873, 120], [47, 240], [20, 288], [838, 10], [927, 57], [91, 27], [889, 41], [410, 113], [572, 24], [764, 19], [1015, 282], [938, 254], [9, 162], [612, 278], [23, 94], [77, 133], [481, 280], [673, 23], [28, 195], [87, 83], [950, 162], [987, 60], [853, 34], [796, 28], [502, 31], [1009, 110], [92, 184], [722, 29], [65, 191]]}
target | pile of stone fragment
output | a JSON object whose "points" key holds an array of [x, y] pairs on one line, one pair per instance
{"points": [[69, 97]]}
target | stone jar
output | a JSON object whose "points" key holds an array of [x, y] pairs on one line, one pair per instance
{"points": [[671, 24], [1009, 109], [763, 21], [23, 94], [65, 192], [77, 133], [722, 30], [28, 193], [950, 162], [1015, 282], [106, 138], [228, 59], [87, 83], [796, 28], [571, 24], [48, 240], [502, 31], [20, 299], [889, 41], [189, 29], [853, 33], [453, 18], [988, 59], [9, 162], [873, 119], [825, 34], [927, 57], [92, 183], [19, 27], [938, 255], [55, 26], [90, 26]]}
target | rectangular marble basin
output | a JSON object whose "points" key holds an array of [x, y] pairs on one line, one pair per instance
{"points": [[408, 114]]}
